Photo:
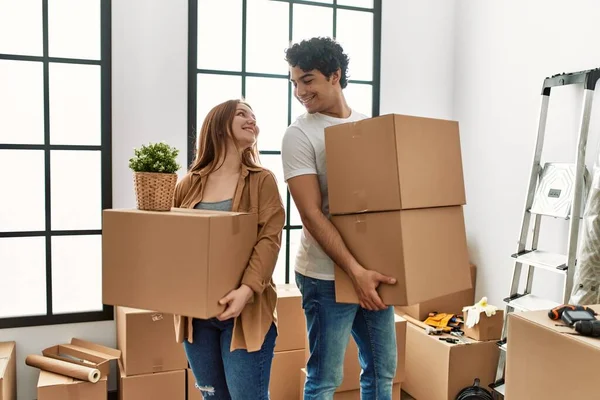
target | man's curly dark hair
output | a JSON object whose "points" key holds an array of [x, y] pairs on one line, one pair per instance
{"points": [[321, 53]]}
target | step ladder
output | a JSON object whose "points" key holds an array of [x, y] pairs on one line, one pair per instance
{"points": [[557, 190]]}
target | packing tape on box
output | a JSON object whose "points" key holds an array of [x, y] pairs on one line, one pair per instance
{"points": [[157, 365], [360, 222], [360, 199], [63, 368]]}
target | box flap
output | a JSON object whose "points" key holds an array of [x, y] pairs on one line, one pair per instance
{"points": [[541, 318], [51, 379], [6, 351], [97, 349], [178, 212], [3, 364]]}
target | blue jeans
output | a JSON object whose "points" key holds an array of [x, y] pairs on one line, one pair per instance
{"points": [[329, 327], [222, 374]]}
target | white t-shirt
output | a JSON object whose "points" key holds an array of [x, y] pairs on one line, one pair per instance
{"points": [[303, 153]]}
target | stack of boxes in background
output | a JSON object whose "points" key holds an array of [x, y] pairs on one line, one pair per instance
{"points": [[396, 193], [153, 364], [8, 371]]}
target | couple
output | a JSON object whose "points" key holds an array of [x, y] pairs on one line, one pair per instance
{"points": [[231, 355]]}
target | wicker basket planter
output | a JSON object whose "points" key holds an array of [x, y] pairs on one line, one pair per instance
{"points": [[154, 169], [154, 191]]}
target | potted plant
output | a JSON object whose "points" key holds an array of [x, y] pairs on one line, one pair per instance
{"points": [[154, 175]]}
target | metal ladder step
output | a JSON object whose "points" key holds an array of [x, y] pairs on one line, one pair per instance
{"points": [[530, 302], [554, 262]]}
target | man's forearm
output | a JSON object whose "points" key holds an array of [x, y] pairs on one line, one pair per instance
{"points": [[326, 234]]}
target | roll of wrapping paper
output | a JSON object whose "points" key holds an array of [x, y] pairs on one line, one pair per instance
{"points": [[63, 368]]}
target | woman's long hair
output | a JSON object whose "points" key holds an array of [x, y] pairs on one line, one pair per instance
{"points": [[211, 146]]}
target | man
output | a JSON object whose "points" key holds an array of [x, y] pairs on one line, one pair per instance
{"points": [[318, 70]]}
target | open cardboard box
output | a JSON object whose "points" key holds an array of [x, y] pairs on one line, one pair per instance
{"points": [[84, 353]]}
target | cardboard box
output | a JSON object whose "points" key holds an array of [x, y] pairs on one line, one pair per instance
{"points": [[162, 385], [352, 368], [59, 387], [424, 249], [488, 328], [147, 342], [452, 303], [84, 353], [193, 393], [8, 371], [396, 162], [180, 262], [545, 361], [349, 394], [291, 322], [437, 370], [285, 371]]}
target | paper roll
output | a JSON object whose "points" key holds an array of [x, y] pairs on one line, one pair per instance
{"points": [[63, 368]]}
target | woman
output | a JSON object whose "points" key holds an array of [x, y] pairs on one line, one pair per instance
{"points": [[231, 354]]}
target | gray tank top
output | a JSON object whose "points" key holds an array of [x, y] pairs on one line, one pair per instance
{"points": [[224, 205]]}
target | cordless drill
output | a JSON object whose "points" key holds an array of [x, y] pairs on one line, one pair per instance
{"points": [[588, 328]]}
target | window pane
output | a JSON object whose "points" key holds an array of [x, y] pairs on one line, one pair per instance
{"points": [[23, 272], [360, 98], [355, 34], [75, 104], [76, 189], [21, 27], [279, 272], [294, 214], [74, 29], [266, 42], [267, 97], [220, 34], [356, 3], [213, 90], [25, 211], [21, 101], [311, 21], [76, 273]]}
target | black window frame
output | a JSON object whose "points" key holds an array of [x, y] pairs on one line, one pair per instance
{"points": [[193, 71], [107, 312]]}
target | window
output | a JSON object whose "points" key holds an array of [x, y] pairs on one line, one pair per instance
{"points": [[237, 50], [55, 170]]}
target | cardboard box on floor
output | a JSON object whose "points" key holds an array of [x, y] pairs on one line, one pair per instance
{"points": [[291, 320], [545, 361], [286, 366], [59, 387], [452, 303], [147, 342], [161, 385], [349, 394], [352, 369], [437, 370], [82, 352], [396, 162], [424, 249], [193, 393], [8, 371], [180, 262]]}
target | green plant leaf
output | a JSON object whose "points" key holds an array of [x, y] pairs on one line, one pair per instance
{"points": [[155, 157]]}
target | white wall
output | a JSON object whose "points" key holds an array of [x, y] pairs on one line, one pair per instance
{"points": [[149, 81], [504, 50], [417, 57]]}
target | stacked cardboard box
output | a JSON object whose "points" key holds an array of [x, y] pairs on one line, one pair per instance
{"points": [[153, 364], [178, 262], [396, 193], [8, 371], [289, 350], [350, 386], [53, 386], [548, 361]]}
